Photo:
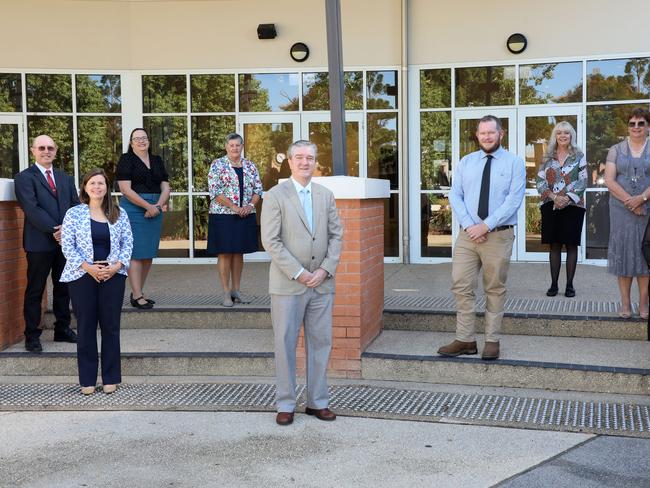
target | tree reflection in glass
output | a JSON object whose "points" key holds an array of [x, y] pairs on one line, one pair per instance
{"points": [[268, 92], [98, 93], [435, 88], [49, 93], [175, 235], [164, 94], [485, 86], [435, 150], [382, 147], [99, 144], [381, 89], [59, 128], [213, 93], [169, 141], [11, 92], [550, 83], [618, 79], [208, 141], [9, 150], [435, 225], [320, 133], [315, 90]]}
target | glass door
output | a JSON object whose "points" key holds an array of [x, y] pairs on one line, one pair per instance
{"points": [[266, 139], [464, 142], [535, 126], [316, 127], [12, 146]]}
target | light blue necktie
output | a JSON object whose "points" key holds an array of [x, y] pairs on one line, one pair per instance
{"points": [[306, 205]]}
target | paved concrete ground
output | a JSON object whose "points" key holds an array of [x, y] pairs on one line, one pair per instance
{"points": [[192, 449], [526, 280]]}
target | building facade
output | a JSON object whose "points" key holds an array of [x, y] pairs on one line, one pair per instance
{"points": [[418, 73]]}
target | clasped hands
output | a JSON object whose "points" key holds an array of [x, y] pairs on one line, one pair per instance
{"points": [[152, 211], [312, 280], [635, 204], [244, 211], [101, 272], [560, 201], [478, 232]]}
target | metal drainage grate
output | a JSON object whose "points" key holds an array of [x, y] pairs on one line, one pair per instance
{"points": [[535, 413]]}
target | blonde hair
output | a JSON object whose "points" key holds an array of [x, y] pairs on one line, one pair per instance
{"points": [[551, 149]]}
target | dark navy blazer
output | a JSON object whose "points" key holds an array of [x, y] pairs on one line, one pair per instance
{"points": [[43, 209]]}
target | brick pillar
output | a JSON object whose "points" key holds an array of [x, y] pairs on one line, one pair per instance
{"points": [[359, 298], [13, 269]]}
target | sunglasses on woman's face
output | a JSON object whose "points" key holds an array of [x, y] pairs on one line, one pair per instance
{"points": [[638, 123]]}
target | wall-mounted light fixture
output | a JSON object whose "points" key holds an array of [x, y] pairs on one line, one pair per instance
{"points": [[517, 43], [299, 52], [266, 31]]}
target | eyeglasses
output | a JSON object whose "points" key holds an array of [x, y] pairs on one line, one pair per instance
{"points": [[45, 148], [638, 123], [140, 139]]}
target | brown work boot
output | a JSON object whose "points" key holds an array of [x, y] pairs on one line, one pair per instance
{"points": [[457, 348], [490, 350]]}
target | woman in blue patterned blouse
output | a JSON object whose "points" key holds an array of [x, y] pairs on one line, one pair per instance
{"points": [[96, 240], [561, 183]]}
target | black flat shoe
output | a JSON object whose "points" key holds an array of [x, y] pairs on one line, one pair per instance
{"points": [[552, 291], [141, 306], [569, 292]]}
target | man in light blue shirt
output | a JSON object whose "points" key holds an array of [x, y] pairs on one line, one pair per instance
{"points": [[487, 189]]}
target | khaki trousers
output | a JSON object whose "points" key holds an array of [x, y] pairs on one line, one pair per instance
{"points": [[493, 256]]}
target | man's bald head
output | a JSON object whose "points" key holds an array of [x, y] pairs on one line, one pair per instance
{"points": [[44, 150]]}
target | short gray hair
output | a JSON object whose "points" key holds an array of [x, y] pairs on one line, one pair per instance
{"points": [[301, 143], [232, 136]]}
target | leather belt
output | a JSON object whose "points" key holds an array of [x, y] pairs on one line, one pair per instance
{"points": [[502, 227]]}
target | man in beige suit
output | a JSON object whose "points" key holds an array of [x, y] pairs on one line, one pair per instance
{"points": [[302, 233]]}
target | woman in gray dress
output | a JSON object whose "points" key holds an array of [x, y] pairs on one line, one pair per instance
{"points": [[627, 175]]}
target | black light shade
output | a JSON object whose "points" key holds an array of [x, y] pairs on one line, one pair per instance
{"points": [[516, 43], [266, 31], [299, 52]]}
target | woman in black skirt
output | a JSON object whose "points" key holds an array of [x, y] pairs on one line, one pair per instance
{"points": [[235, 187], [561, 183]]}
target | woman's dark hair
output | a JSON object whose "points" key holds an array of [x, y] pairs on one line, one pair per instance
{"points": [[111, 210], [130, 149], [639, 113]]}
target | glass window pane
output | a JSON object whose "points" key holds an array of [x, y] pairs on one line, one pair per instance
{"points": [[9, 150], [381, 87], [435, 150], [213, 93], [175, 235], [315, 90], [435, 88], [382, 148], [100, 144], [201, 210], [606, 126], [11, 92], [485, 86], [164, 93], [534, 226], [538, 131], [270, 92], [59, 128], [391, 226], [49, 93], [208, 141], [618, 79], [98, 93], [169, 141], [266, 145], [435, 225], [597, 229], [550, 83], [320, 133]]}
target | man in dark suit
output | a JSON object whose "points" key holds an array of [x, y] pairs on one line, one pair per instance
{"points": [[45, 194]]}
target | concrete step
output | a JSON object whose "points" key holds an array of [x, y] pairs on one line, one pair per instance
{"points": [[559, 363], [432, 320]]}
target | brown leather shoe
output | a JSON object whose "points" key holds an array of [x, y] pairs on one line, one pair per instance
{"points": [[284, 418], [321, 413], [457, 348], [490, 350]]}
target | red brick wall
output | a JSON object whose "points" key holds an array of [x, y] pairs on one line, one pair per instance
{"points": [[13, 269], [359, 298]]}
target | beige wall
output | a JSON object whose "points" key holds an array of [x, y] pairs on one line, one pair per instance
{"points": [[189, 34], [476, 30]]}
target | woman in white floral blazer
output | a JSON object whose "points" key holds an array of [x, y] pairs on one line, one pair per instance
{"points": [[235, 188], [96, 240]]}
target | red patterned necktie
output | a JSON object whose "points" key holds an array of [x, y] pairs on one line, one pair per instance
{"points": [[50, 181]]}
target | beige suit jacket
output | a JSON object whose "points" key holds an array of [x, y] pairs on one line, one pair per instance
{"points": [[287, 239]]}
